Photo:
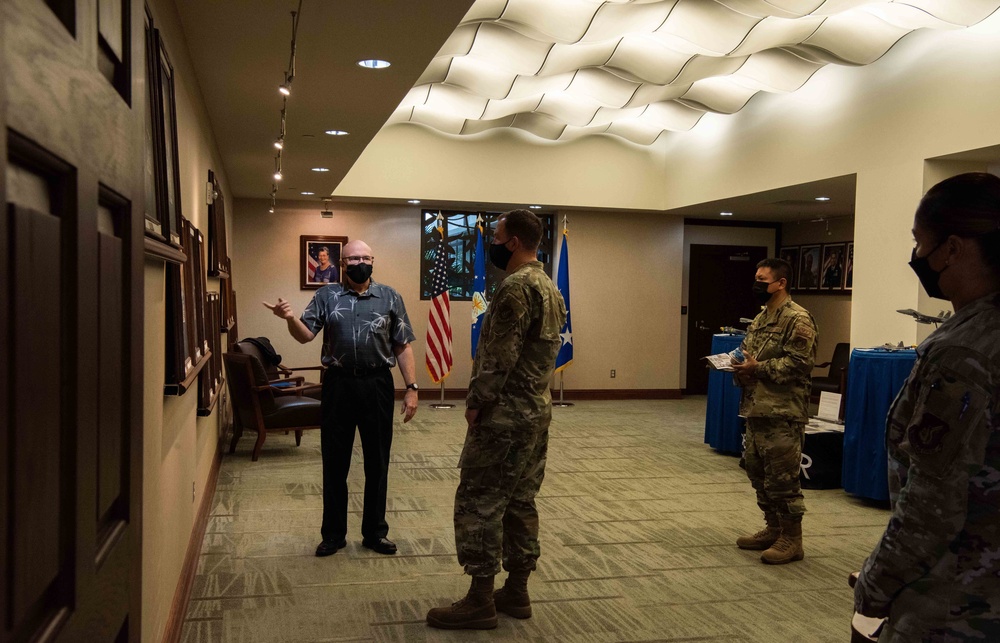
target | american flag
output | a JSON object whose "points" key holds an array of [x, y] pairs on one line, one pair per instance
{"points": [[439, 323]]}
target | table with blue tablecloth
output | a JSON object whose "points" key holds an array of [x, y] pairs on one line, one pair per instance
{"points": [[723, 426], [874, 378]]}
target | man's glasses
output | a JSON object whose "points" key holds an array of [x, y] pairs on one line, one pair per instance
{"points": [[356, 259]]}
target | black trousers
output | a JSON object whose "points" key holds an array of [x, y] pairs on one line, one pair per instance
{"points": [[364, 403]]}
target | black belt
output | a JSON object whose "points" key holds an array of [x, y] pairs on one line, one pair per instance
{"points": [[357, 371]]}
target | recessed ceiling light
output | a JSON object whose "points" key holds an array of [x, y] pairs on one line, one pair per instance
{"points": [[725, 214], [535, 207], [336, 132], [307, 193], [374, 63], [414, 201], [321, 169], [822, 198]]}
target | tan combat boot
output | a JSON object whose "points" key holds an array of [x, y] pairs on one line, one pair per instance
{"points": [[763, 538], [788, 548], [474, 612], [512, 599]]}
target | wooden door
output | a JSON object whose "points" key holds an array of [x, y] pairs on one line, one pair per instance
{"points": [[71, 325], [719, 293]]}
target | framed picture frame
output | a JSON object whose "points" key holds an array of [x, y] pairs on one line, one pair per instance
{"points": [[218, 252], [152, 157], [319, 264], [810, 258], [188, 346], [832, 272], [849, 269], [791, 255], [171, 214]]}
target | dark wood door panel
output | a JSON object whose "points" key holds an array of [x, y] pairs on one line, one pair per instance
{"points": [[71, 336]]}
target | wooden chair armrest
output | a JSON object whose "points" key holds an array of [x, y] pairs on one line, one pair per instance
{"points": [[297, 378], [306, 368], [823, 365]]}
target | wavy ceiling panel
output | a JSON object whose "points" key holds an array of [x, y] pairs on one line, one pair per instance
{"points": [[565, 69]]}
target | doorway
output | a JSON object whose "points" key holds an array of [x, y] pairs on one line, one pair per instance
{"points": [[719, 294]]}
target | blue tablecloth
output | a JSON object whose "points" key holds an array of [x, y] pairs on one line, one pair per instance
{"points": [[873, 380], [722, 424]]}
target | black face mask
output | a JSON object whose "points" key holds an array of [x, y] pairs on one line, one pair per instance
{"points": [[760, 291], [500, 255], [929, 278], [359, 273]]}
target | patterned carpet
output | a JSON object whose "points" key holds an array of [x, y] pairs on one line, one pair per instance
{"points": [[639, 519]]}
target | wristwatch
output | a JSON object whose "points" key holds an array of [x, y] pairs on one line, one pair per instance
{"points": [[413, 387]]}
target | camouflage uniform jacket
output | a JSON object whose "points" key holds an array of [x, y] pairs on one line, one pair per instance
{"points": [[784, 342], [517, 351], [936, 570]]}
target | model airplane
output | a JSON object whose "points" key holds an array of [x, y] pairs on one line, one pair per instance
{"points": [[926, 319]]}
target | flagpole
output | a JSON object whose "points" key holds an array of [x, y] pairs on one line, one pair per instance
{"points": [[441, 404], [561, 402]]}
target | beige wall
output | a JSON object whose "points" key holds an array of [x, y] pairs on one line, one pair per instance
{"points": [[616, 284], [179, 446]]}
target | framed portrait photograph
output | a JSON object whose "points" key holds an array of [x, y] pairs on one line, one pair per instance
{"points": [[320, 260], [791, 255], [849, 270], [810, 258], [834, 258]]}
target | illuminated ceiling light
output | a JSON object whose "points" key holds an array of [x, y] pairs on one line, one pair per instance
{"points": [[535, 207], [414, 201], [822, 198], [321, 169], [374, 63], [307, 193], [271, 209], [336, 132], [277, 175], [285, 89], [561, 71], [725, 214], [279, 143]]}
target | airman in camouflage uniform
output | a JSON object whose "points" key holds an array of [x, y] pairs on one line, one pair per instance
{"points": [[935, 573], [509, 409], [780, 350]]}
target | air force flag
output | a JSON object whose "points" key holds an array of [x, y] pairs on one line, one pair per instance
{"points": [[478, 287], [565, 356]]}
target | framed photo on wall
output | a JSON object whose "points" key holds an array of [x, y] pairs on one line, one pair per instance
{"points": [[791, 255], [834, 258], [320, 260], [809, 265], [849, 271]]}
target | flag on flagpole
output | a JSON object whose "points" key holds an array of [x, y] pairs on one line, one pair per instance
{"points": [[479, 303], [439, 358], [565, 356]]}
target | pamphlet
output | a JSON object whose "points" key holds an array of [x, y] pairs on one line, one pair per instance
{"points": [[829, 406], [720, 362]]}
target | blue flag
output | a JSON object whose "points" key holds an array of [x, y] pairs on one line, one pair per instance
{"points": [[478, 287], [565, 356]]}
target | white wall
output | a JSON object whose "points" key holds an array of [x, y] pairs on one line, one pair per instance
{"points": [[934, 93]]}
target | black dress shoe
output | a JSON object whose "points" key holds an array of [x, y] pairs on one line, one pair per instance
{"points": [[330, 547], [380, 545]]}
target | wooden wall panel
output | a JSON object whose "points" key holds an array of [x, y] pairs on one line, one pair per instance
{"points": [[37, 555], [111, 447]]}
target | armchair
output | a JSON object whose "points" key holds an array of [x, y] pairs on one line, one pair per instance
{"points": [[279, 376], [257, 408]]}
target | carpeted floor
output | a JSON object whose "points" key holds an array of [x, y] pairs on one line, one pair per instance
{"points": [[638, 523]]}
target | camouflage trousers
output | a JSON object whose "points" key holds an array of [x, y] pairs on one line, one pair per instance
{"points": [[495, 515], [773, 460]]}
